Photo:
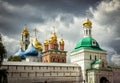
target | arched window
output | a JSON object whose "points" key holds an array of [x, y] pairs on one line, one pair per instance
{"points": [[63, 60], [90, 57], [58, 60], [53, 59], [86, 31]]}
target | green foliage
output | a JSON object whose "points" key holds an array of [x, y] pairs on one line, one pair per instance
{"points": [[14, 58], [2, 52]]}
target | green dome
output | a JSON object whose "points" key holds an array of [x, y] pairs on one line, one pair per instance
{"points": [[87, 43]]}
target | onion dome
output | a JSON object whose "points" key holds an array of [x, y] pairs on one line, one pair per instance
{"points": [[20, 53], [37, 44], [51, 40], [31, 51], [87, 43], [61, 42], [87, 23], [25, 31], [54, 37], [46, 42]]}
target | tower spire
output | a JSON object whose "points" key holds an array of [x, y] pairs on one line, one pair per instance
{"points": [[87, 26]]}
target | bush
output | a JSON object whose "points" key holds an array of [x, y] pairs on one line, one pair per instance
{"points": [[14, 58]]}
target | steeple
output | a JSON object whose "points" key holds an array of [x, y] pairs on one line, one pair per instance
{"points": [[87, 26], [36, 43], [25, 37]]}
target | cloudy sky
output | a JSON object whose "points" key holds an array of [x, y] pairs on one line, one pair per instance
{"points": [[67, 16]]}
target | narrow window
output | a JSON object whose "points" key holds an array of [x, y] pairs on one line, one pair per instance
{"points": [[86, 31], [95, 57], [90, 57]]}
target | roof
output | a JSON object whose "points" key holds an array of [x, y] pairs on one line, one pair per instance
{"points": [[39, 64], [20, 53], [31, 51], [98, 61], [87, 43]]}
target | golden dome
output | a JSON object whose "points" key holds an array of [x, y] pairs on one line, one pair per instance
{"points": [[25, 31], [61, 42], [54, 37], [46, 42], [51, 40], [37, 44], [87, 23]]}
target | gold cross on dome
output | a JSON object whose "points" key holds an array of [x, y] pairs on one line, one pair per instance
{"points": [[87, 13]]}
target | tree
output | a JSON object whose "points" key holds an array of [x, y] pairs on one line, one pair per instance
{"points": [[14, 58], [2, 53], [3, 72]]}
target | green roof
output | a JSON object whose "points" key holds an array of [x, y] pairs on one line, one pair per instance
{"points": [[98, 61], [87, 43]]}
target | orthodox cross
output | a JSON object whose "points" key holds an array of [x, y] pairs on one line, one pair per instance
{"points": [[35, 31], [87, 13]]}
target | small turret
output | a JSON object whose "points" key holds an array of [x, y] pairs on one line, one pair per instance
{"points": [[61, 45]]}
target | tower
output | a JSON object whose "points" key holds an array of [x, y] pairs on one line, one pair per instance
{"points": [[25, 38], [87, 53], [33, 52], [52, 53]]}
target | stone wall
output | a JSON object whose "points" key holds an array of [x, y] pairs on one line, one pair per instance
{"points": [[41, 72], [116, 74]]}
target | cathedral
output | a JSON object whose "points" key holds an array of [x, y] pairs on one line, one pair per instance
{"points": [[46, 63]]}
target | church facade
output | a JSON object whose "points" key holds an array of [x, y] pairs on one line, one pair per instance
{"points": [[88, 61]]}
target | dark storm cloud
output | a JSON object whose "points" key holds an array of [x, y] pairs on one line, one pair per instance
{"points": [[107, 18], [16, 13], [116, 45], [73, 6]]}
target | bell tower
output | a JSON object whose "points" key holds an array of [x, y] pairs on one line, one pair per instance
{"points": [[25, 37], [86, 51]]}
